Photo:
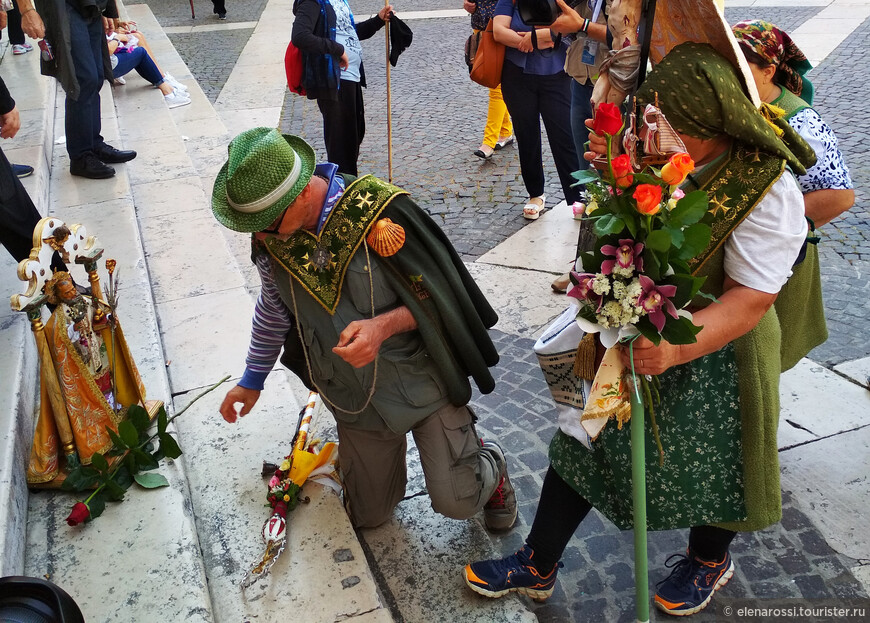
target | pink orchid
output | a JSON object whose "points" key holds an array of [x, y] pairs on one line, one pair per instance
{"points": [[584, 286], [656, 300], [627, 254]]}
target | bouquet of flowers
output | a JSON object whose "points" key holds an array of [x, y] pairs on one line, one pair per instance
{"points": [[637, 280]]}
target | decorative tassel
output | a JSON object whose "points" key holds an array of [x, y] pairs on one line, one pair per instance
{"points": [[770, 113], [584, 363]]}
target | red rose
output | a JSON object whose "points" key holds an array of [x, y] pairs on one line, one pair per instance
{"points": [[80, 512], [649, 198], [677, 168], [608, 119], [622, 170]]}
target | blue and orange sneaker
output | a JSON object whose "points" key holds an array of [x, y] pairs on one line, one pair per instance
{"points": [[516, 573], [691, 584]]}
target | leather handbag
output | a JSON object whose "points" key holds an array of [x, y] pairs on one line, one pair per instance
{"points": [[489, 60]]}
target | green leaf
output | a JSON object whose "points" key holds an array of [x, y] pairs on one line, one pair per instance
{"points": [[98, 461], [697, 237], [128, 433], [648, 330], [608, 224], [139, 417], [123, 477], [659, 240], [114, 491], [687, 287], [168, 446], [584, 176], [162, 420], [151, 481], [81, 478], [119, 443], [677, 236], [680, 331], [651, 265], [144, 461], [97, 505], [690, 209]]}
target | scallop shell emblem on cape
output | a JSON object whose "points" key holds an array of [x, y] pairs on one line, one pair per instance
{"points": [[386, 237]]}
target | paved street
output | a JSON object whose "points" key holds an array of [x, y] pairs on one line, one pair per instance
{"points": [[437, 122]]}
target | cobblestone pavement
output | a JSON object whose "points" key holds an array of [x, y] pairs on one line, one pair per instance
{"points": [[437, 119]]}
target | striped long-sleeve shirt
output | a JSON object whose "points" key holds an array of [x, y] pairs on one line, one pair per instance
{"points": [[272, 319]]}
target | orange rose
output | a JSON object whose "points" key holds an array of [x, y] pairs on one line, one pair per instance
{"points": [[677, 168], [622, 170], [649, 198]]}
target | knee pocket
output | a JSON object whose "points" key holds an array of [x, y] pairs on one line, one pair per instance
{"points": [[464, 454]]}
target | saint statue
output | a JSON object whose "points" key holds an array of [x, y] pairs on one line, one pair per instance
{"points": [[88, 378]]}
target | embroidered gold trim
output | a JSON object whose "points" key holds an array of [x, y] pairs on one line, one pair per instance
{"points": [[319, 262]]}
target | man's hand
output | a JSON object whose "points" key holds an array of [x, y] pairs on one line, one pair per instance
{"points": [[10, 123], [360, 341], [343, 61], [108, 25], [238, 394], [31, 23], [384, 13], [568, 22], [469, 6]]}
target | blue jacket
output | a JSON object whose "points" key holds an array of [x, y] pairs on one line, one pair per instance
{"points": [[314, 35]]}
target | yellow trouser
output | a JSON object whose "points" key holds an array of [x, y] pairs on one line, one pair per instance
{"points": [[498, 121]]}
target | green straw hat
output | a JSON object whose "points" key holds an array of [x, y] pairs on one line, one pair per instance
{"points": [[264, 173]]}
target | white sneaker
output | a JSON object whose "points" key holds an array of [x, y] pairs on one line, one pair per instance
{"points": [[176, 99], [175, 84], [120, 81]]}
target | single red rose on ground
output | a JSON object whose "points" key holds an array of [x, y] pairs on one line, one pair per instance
{"points": [[649, 198], [80, 512], [622, 170], [677, 168], [608, 119]]}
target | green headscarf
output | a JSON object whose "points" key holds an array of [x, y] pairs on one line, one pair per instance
{"points": [[701, 95]]}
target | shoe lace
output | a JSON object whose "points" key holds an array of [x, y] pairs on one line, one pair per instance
{"points": [[681, 569], [498, 496]]}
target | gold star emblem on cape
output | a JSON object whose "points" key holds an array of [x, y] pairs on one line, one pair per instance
{"points": [[718, 204], [318, 262]]}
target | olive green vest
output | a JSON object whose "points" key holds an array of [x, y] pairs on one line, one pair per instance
{"points": [[799, 305], [407, 384]]}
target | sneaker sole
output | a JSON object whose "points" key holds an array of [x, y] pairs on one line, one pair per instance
{"points": [[537, 595], [684, 613]]}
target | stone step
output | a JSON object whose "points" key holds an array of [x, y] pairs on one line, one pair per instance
{"points": [[35, 98]]}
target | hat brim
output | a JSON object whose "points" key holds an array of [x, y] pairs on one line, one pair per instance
{"points": [[258, 221]]}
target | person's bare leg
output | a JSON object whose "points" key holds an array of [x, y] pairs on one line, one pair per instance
{"points": [[144, 43]]}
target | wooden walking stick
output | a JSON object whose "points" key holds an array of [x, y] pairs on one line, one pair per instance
{"points": [[389, 107]]}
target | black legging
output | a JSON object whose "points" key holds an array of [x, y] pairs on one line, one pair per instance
{"points": [[561, 509]]}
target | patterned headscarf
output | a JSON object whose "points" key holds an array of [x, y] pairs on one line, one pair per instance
{"points": [[777, 48], [701, 96]]}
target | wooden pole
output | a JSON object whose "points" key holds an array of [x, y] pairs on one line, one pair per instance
{"points": [[389, 105]]}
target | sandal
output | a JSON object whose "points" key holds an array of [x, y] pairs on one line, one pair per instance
{"points": [[484, 152], [531, 210]]}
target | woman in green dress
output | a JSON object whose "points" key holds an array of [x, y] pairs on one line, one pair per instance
{"points": [[720, 396], [779, 69]]}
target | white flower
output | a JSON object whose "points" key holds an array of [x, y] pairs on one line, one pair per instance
{"points": [[601, 284]]}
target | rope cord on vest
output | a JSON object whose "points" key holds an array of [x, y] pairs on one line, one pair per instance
{"points": [[305, 348]]}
